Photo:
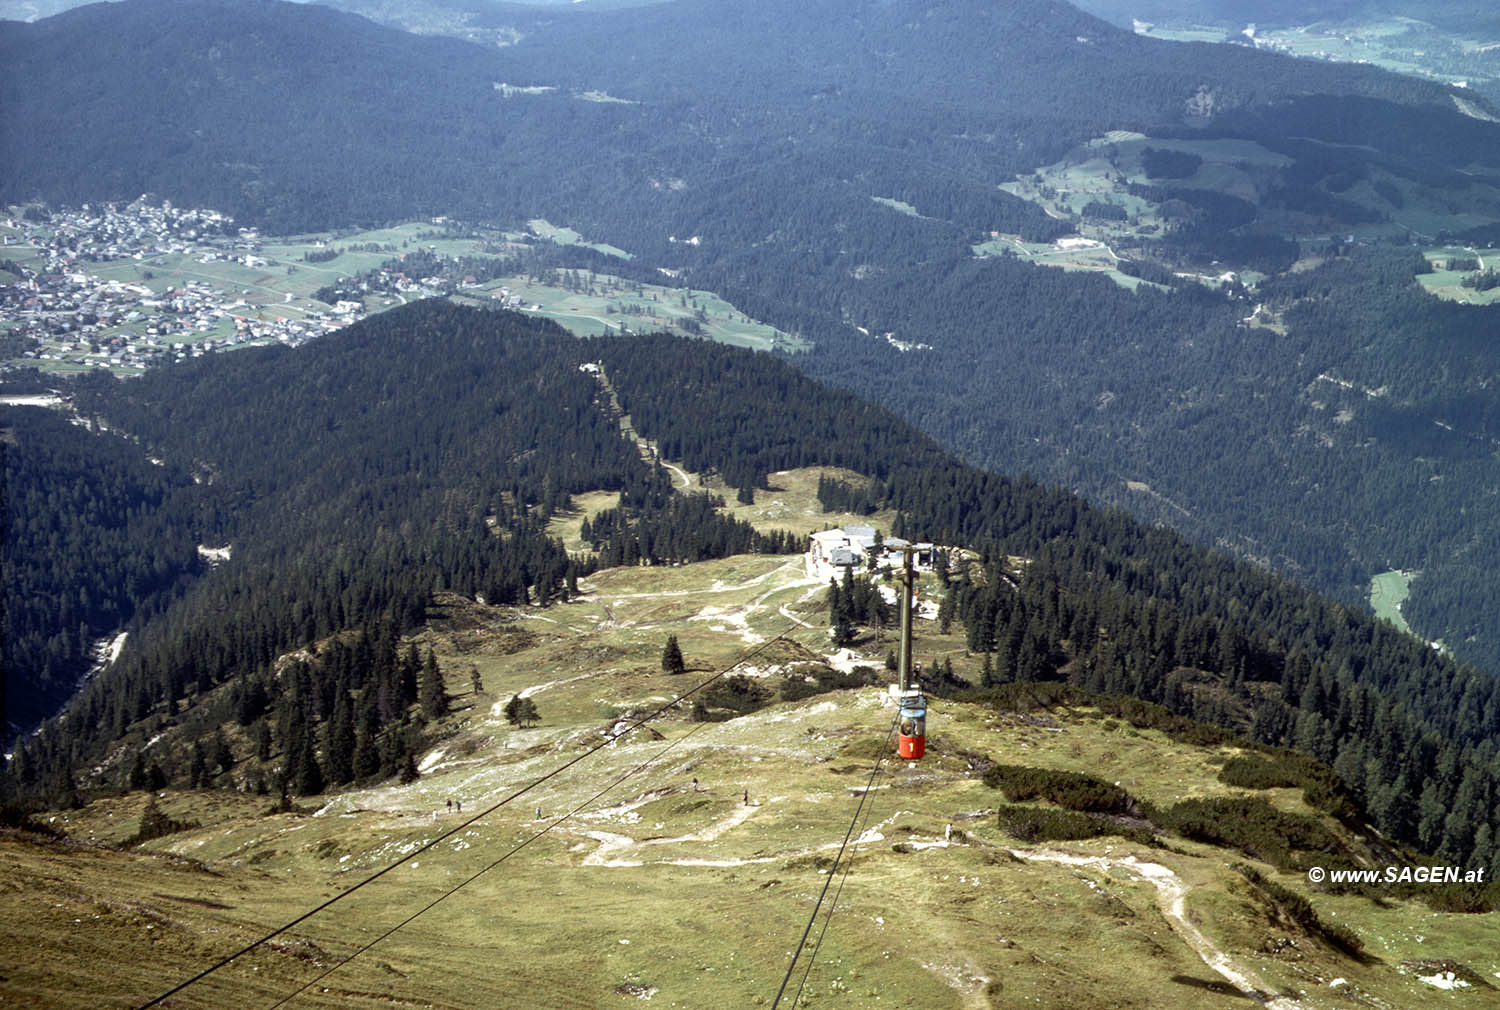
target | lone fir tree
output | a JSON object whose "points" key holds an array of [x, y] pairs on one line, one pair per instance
{"points": [[434, 693], [671, 657]]}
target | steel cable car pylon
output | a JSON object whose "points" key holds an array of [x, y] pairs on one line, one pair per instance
{"points": [[911, 740]]}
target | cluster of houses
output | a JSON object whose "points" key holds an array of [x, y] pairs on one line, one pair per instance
{"points": [[71, 316], [387, 281], [510, 301], [140, 230], [861, 548]]}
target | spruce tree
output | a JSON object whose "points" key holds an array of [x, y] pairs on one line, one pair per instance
{"points": [[307, 776], [222, 757], [366, 756], [197, 767], [409, 770], [406, 676], [137, 777], [340, 745], [434, 691], [64, 790], [671, 657], [528, 714]]}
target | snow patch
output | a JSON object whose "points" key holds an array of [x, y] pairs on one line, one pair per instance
{"points": [[728, 621], [1444, 980]]}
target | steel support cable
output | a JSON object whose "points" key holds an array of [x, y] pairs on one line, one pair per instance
{"points": [[632, 727], [879, 760], [475, 876], [812, 958]]}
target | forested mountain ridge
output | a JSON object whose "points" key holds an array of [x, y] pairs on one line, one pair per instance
{"points": [[268, 111], [425, 449]]}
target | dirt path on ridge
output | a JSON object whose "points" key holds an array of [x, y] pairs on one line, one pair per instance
{"points": [[1171, 895]]}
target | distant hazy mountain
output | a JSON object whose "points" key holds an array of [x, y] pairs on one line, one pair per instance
{"points": [[410, 15], [298, 116]]}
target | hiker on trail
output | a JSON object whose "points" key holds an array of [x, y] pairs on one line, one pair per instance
{"points": [[695, 785], [459, 804], [450, 806], [747, 797]]}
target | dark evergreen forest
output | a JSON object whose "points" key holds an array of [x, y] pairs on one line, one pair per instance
{"points": [[423, 450], [88, 540], [294, 117]]}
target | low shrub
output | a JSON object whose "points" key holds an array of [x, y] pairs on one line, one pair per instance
{"points": [[1145, 715], [156, 824], [1300, 910], [1322, 789], [1044, 824], [1254, 827], [1073, 790]]}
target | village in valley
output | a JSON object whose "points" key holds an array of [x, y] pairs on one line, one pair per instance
{"points": [[122, 287], [108, 286]]}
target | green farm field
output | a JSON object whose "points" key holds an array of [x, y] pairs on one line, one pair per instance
{"points": [[604, 303], [1096, 257], [567, 236], [1448, 284], [1388, 591]]}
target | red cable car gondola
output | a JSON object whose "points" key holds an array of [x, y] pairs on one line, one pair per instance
{"points": [[911, 741]]}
